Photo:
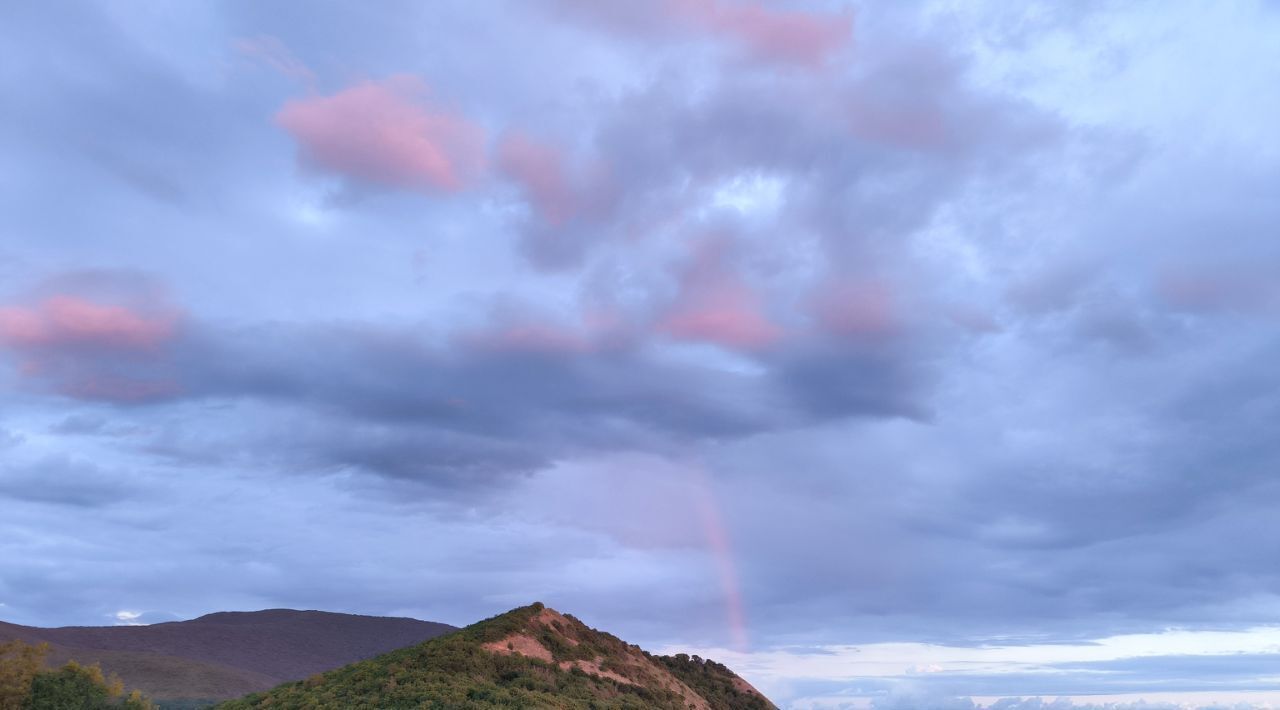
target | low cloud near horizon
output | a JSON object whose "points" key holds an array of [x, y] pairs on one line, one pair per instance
{"points": [[776, 328]]}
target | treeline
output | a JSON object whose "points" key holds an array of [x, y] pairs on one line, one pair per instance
{"points": [[25, 684], [713, 681]]}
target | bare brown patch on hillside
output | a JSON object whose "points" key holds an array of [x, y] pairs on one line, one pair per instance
{"points": [[522, 644], [526, 645], [593, 668], [564, 626], [640, 671], [623, 663]]}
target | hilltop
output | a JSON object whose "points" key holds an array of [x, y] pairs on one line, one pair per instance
{"points": [[227, 654], [530, 657]]}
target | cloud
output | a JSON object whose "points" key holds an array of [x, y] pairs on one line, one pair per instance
{"points": [[986, 352], [571, 201], [482, 407], [594, 330], [1207, 665], [788, 37], [273, 53], [837, 181], [64, 481], [383, 133], [794, 36], [93, 336], [857, 310], [1205, 289], [9, 439], [465, 409], [716, 306], [67, 321], [541, 172]]}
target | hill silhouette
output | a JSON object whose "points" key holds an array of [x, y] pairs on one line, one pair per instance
{"points": [[227, 654], [530, 657]]}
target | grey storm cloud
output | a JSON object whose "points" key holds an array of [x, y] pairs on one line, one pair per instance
{"points": [[883, 321], [63, 481], [387, 401]]}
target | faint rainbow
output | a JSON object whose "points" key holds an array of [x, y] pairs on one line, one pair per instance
{"points": [[721, 547]]}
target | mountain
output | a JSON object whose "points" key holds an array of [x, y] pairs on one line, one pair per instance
{"points": [[531, 657], [227, 654]]}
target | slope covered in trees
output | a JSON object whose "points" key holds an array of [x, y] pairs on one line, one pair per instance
{"points": [[529, 657], [227, 654]]}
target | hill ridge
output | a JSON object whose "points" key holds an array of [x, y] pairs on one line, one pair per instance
{"points": [[531, 656], [214, 660], [235, 617]]}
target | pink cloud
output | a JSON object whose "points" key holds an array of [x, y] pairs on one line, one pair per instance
{"points": [[594, 329], [382, 133], [88, 349], [540, 171], [858, 310], [782, 35], [66, 320], [716, 306], [728, 317]]}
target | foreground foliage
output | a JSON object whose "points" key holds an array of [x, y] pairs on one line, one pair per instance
{"points": [[19, 664], [26, 685]]}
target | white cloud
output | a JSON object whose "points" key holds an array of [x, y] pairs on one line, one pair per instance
{"points": [[750, 194], [129, 618], [856, 664]]}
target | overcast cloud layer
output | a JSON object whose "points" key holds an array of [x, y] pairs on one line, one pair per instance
{"points": [[788, 330]]}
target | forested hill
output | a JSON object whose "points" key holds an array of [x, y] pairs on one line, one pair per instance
{"points": [[227, 654], [532, 656]]}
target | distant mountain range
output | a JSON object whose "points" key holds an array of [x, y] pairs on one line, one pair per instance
{"points": [[530, 657], [227, 654]]}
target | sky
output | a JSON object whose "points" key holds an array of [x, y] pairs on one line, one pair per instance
{"points": [[910, 354]]}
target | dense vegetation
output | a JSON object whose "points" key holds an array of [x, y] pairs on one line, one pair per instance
{"points": [[25, 684], [186, 704], [454, 671], [713, 681]]}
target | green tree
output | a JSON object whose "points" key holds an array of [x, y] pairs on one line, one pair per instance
{"points": [[77, 687], [135, 701], [71, 687], [19, 664]]}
